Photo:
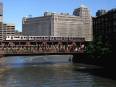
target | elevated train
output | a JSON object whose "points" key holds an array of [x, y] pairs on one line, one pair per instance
{"points": [[44, 38]]}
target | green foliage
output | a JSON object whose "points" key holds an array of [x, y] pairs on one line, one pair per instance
{"points": [[98, 48], [90, 48]]}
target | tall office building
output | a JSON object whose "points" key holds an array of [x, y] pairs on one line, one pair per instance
{"points": [[63, 24], [5, 29], [1, 20], [101, 12], [84, 14], [8, 29], [105, 27], [1, 12]]}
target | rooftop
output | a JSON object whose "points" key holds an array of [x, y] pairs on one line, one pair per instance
{"points": [[83, 6]]}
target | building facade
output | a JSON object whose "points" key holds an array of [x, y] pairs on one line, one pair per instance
{"points": [[8, 30], [105, 26], [101, 12], [1, 20], [5, 29], [63, 24]]}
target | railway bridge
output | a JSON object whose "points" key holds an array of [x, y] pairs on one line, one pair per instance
{"points": [[42, 47]]}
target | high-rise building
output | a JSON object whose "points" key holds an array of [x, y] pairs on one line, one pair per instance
{"points": [[1, 12], [8, 29], [63, 24], [5, 29], [1, 19], [101, 12], [105, 27], [84, 14]]}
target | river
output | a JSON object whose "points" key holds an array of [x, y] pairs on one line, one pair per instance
{"points": [[48, 71]]}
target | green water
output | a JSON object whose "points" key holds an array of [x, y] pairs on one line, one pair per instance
{"points": [[49, 72]]}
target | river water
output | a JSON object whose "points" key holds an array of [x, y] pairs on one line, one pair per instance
{"points": [[48, 71]]}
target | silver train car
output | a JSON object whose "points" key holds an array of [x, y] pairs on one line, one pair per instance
{"points": [[44, 38]]}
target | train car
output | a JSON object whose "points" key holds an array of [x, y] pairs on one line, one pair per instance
{"points": [[40, 38], [45, 38], [16, 37], [58, 38]]}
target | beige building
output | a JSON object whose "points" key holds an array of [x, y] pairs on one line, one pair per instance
{"points": [[8, 30], [5, 29], [53, 24], [1, 20]]}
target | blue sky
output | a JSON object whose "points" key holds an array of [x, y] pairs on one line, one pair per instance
{"points": [[14, 10]]}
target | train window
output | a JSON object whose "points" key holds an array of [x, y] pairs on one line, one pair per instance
{"points": [[16, 37], [11, 37]]}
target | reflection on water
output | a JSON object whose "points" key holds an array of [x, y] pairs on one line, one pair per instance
{"points": [[49, 72]]}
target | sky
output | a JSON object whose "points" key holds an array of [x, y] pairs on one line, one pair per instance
{"points": [[15, 10]]}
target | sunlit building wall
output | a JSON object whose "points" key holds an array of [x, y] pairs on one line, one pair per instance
{"points": [[63, 24]]}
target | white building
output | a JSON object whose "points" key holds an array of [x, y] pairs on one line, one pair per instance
{"points": [[53, 24]]}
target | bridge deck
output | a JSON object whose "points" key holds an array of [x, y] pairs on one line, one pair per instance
{"points": [[40, 54], [32, 47]]}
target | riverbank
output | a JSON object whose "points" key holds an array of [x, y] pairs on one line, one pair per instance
{"points": [[107, 63], [102, 72]]}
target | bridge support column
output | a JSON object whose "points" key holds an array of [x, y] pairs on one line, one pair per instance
{"points": [[75, 58], [78, 58]]}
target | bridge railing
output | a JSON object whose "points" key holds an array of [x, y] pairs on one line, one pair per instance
{"points": [[39, 50], [38, 47]]}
